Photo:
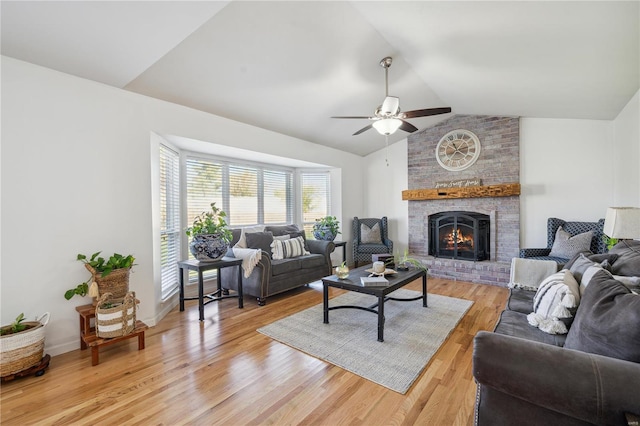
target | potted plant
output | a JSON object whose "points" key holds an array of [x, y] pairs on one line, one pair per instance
{"points": [[107, 276], [21, 344], [326, 228], [404, 262], [211, 236]]}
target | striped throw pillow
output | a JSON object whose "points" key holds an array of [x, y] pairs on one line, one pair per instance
{"points": [[286, 249], [557, 296]]}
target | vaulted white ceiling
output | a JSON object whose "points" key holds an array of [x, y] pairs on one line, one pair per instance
{"points": [[290, 66]]}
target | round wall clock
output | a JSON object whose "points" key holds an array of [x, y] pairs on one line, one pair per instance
{"points": [[458, 150]]}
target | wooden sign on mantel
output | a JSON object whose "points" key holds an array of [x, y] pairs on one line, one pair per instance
{"points": [[501, 190], [459, 183]]}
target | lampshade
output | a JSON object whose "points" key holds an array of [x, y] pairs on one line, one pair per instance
{"points": [[387, 126], [622, 222]]}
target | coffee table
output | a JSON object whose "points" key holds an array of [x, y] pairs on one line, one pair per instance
{"points": [[352, 283]]}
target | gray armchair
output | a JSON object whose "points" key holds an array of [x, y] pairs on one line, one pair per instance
{"points": [[363, 249]]}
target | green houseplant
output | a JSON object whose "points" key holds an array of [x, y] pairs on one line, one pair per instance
{"points": [[326, 228], [210, 235], [109, 275]]}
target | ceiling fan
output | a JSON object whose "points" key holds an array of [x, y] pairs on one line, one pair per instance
{"points": [[387, 117]]}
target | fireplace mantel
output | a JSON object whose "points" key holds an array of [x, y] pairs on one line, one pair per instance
{"points": [[501, 190]]}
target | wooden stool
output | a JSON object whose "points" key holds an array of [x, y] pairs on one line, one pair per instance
{"points": [[89, 339]]}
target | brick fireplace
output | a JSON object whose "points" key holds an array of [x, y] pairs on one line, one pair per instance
{"points": [[498, 163]]}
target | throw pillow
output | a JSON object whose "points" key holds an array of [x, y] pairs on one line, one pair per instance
{"points": [[242, 242], [555, 296], [282, 237], [628, 261], [566, 246], [588, 275], [581, 265], [300, 234], [370, 235], [260, 240], [285, 249], [606, 321]]}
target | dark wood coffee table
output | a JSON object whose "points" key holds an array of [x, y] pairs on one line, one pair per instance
{"points": [[400, 279]]}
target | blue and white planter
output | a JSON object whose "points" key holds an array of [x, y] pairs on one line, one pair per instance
{"points": [[208, 247]]}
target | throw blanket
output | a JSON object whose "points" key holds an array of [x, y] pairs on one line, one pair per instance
{"points": [[527, 274], [250, 258]]}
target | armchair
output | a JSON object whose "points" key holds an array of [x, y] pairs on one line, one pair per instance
{"points": [[363, 248], [574, 228]]}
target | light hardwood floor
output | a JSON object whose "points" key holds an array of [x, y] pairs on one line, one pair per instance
{"points": [[222, 371]]}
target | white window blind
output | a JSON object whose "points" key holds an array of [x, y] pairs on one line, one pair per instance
{"points": [[169, 219], [316, 201], [249, 194]]}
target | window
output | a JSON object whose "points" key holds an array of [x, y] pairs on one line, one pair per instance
{"points": [[249, 194], [169, 219], [315, 198]]}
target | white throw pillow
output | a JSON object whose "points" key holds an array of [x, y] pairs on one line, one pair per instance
{"points": [[242, 241], [555, 296], [285, 249]]}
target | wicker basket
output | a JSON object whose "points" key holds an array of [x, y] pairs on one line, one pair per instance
{"points": [[23, 350], [118, 320], [116, 283]]}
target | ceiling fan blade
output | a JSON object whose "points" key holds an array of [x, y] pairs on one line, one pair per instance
{"points": [[364, 129], [361, 117], [426, 112], [408, 127]]}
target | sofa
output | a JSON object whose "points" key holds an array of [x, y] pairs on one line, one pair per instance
{"points": [[588, 376], [272, 276], [555, 250]]}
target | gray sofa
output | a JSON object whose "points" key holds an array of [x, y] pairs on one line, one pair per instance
{"points": [[272, 276], [590, 376]]}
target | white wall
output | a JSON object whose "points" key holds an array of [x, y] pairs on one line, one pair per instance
{"points": [[625, 162], [76, 178], [565, 172], [385, 175]]}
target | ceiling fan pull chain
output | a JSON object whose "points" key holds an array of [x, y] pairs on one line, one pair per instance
{"points": [[386, 138]]}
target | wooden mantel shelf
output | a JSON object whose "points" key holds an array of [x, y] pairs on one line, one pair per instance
{"points": [[502, 190]]}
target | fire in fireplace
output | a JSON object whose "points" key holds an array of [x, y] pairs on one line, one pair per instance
{"points": [[459, 235]]}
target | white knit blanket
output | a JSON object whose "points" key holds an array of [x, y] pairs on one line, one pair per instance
{"points": [[527, 274], [250, 258]]}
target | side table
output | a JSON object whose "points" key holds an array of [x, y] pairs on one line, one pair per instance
{"points": [[342, 244], [200, 267], [89, 339]]}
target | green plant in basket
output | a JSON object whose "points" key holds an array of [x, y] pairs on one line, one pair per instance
{"points": [[102, 267], [15, 327]]}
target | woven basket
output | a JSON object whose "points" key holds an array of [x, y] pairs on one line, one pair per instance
{"points": [[23, 350], [116, 283], [119, 320]]}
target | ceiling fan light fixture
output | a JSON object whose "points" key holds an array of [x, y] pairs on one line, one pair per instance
{"points": [[387, 126]]}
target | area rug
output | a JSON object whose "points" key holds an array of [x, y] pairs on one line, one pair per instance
{"points": [[412, 334]]}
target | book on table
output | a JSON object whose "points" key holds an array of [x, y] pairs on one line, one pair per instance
{"points": [[374, 281]]}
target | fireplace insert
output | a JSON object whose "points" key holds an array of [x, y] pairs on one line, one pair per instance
{"points": [[459, 235]]}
